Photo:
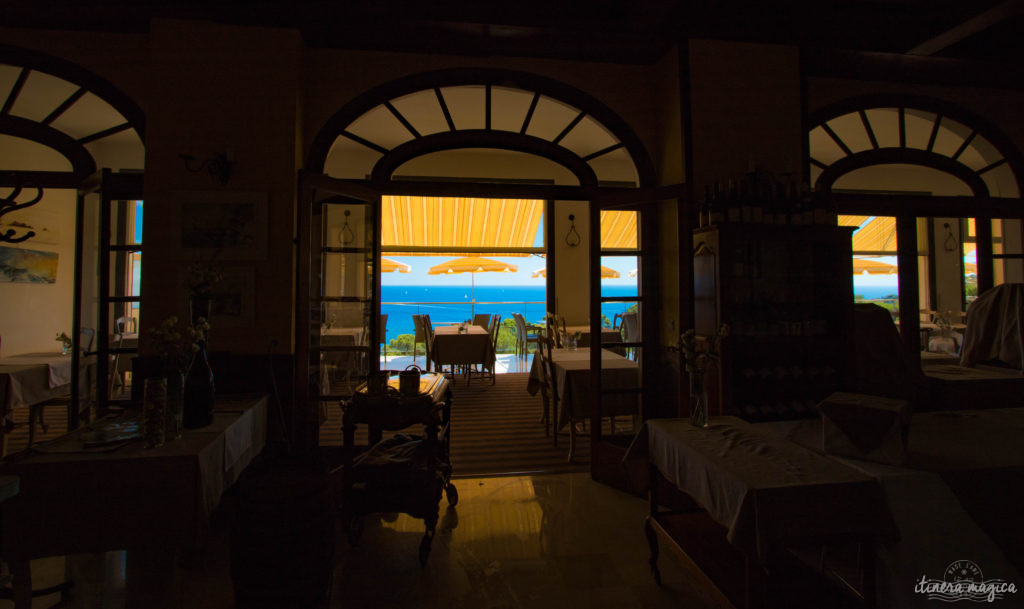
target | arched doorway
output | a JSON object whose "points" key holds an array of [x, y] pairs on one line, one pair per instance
{"points": [[932, 189], [473, 134], [62, 131]]}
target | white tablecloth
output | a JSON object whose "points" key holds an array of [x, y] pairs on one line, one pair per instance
{"points": [[572, 381], [32, 378], [763, 488], [453, 348]]}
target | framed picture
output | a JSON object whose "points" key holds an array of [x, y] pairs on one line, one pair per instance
{"points": [[222, 225], [27, 266], [234, 297]]}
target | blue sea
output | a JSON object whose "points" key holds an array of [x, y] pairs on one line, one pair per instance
{"points": [[870, 292], [456, 307], [400, 303]]}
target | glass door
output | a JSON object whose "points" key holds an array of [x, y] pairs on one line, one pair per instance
{"points": [[338, 341]]}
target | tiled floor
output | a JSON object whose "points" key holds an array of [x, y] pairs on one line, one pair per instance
{"points": [[535, 541]]}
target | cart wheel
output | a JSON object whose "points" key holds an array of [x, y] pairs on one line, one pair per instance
{"points": [[354, 530], [452, 494], [425, 548]]}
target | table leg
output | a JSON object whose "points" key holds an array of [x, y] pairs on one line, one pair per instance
{"points": [[21, 583]]}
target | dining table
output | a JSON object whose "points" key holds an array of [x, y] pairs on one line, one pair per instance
{"points": [[453, 347], [92, 491], [572, 381], [29, 379], [608, 335]]}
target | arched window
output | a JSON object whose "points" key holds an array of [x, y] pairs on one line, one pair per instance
{"points": [[888, 146], [471, 110]]}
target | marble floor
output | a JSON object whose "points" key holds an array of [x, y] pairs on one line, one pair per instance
{"points": [[557, 540], [532, 541]]}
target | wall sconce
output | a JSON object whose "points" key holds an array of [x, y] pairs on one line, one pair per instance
{"points": [[572, 238], [219, 165], [345, 235], [950, 243], [8, 204]]}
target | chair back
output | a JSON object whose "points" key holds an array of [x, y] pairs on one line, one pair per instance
{"points": [[483, 320], [547, 343], [382, 328], [417, 324], [631, 324], [493, 331], [126, 325], [428, 331], [85, 339]]}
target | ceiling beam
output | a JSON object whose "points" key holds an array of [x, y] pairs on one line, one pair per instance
{"points": [[974, 25]]}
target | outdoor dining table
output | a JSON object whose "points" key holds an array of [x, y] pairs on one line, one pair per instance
{"points": [[454, 348], [608, 335], [572, 381]]}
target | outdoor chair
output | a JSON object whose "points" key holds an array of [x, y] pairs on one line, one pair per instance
{"points": [[428, 339], [483, 320], [525, 334], [420, 336], [631, 332], [382, 336]]}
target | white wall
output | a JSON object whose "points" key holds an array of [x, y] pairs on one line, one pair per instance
{"points": [[32, 314], [572, 292]]}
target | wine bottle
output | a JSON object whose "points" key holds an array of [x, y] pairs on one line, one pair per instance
{"points": [[746, 207], [733, 213], [779, 204], [715, 213], [796, 207]]}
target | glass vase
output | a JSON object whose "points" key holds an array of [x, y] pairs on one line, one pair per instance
{"points": [[175, 404], [698, 401], [199, 392], [154, 405]]}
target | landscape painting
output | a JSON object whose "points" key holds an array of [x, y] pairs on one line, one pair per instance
{"points": [[27, 266]]}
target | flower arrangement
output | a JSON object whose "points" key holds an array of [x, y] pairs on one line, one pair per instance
{"points": [[697, 360], [65, 342], [178, 342], [944, 320]]}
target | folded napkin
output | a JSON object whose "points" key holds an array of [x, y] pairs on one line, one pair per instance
{"points": [[866, 427]]}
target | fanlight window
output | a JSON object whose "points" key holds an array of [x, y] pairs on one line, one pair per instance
{"points": [[502, 111], [872, 130]]}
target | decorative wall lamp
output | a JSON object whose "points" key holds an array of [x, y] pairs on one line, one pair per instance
{"points": [[8, 204], [345, 235], [572, 238], [950, 243], [219, 165]]}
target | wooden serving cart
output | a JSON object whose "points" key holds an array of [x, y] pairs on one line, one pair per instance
{"points": [[404, 473]]}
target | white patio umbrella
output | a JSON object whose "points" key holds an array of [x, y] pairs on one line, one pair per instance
{"points": [[472, 265], [387, 265]]}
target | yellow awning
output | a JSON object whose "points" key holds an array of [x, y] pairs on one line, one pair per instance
{"points": [[452, 223], [877, 234], [457, 222], [618, 229]]}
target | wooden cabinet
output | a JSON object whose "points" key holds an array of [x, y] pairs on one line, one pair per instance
{"points": [[786, 294]]}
